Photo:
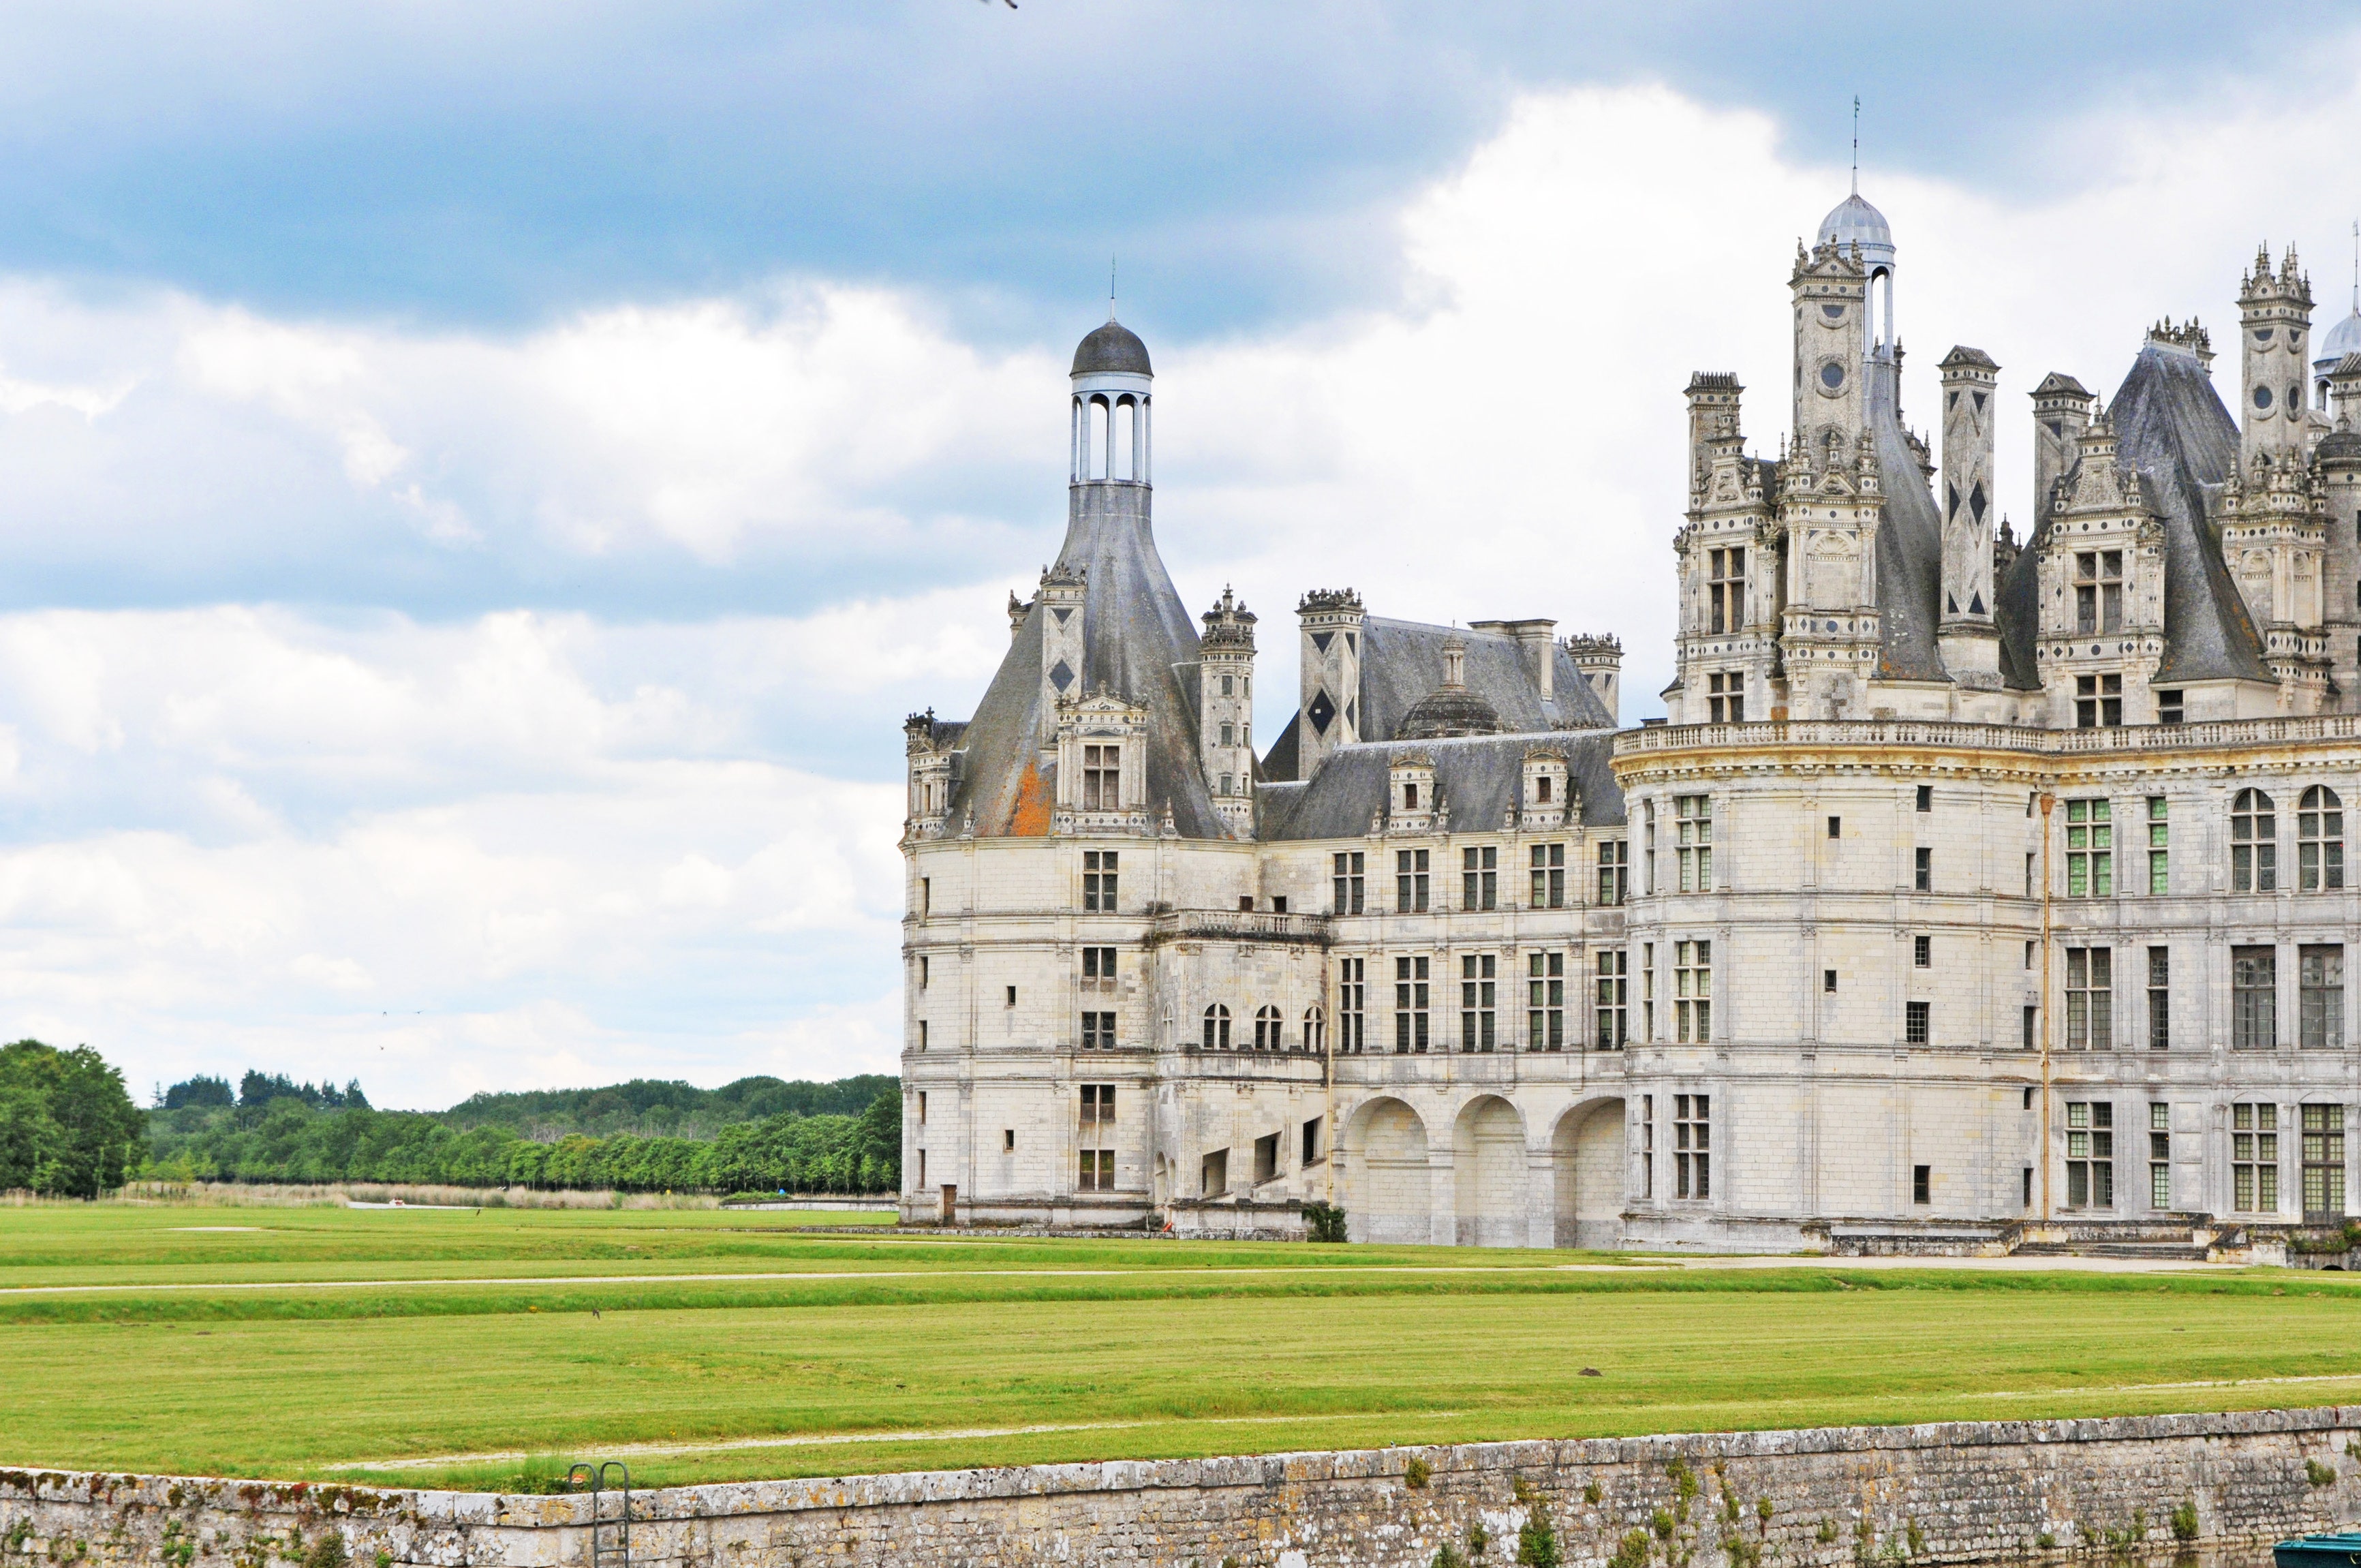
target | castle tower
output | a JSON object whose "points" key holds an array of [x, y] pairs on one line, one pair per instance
{"points": [[2061, 411], [1967, 634], [1713, 426], [1225, 712], [1330, 713], [2274, 364], [1830, 288], [1601, 659]]}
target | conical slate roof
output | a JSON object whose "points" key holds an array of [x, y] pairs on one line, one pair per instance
{"points": [[1138, 643], [2171, 427]]}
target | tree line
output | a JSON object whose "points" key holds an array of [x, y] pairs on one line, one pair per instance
{"points": [[68, 1127], [293, 1143]]}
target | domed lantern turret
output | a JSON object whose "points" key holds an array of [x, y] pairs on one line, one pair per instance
{"points": [[1854, 227], [1112, 434]]}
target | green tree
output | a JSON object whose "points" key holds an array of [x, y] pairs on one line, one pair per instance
{"points": [[68, 1127]]}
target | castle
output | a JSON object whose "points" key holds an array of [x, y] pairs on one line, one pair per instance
{"points": [[1947, 908]]}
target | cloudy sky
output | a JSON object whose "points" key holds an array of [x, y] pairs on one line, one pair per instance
{"points": [[481, 486]]}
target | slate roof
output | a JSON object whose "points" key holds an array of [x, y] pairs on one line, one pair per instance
{"points": [[2170, 425], [1138, 642], [1111, 347], [1401, 664], [1909, 544], [1480, 778]]}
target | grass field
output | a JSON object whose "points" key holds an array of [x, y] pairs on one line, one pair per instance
{"points": [[487, 1349]]}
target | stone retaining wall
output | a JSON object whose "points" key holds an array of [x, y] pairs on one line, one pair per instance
{"points": [[1943, 1493]]}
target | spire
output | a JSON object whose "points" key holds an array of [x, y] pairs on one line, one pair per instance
{"points": [[2356, 266], [1856, 144]]}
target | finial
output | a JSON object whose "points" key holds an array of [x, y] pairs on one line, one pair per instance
{"points": [[1856, 144], [2356, 266], [1110, 288]]}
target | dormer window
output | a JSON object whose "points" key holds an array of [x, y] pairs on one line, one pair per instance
{"points": [[2098, 701], [1724, 588], [2099, 591], [1726, 697], [1541, 789], [1102, 778], [1409, 797]]}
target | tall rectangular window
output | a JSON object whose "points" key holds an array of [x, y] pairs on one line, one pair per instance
{"points": [[1726, 697], [1102, 778], [1545, 1002], [1351, 883], [1614, 870], [2090, 998], [2099, 592], [1917, 1023], [2254, 1157], [2098, 701], [1475, 1002], [1648, 992], [1926, 797], [1409, 881], [1098, 968], [1726, 590], [2032, 1027], [2160, 1157], [1098, 1031], [1692, 1145], [1352, 1004], [1614, 994], [1694, 832], [1098, 881], [2323, 1163], [2089, 1154], [1647, 1145], [2318, 840], [2254, 998], [1922, 952], [2090, 849], [1549, 876], [2320, 996], [1693, 991], [2169, 708], [2159, 999], [2159, 848], [1923, 870], [1410, 1005], [1097, 1174], [1479, 875], [2254, 843]]}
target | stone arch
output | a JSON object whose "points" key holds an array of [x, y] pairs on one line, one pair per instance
{"points": [[1489, 1179], [1386, 1188], [1593, 1172]]}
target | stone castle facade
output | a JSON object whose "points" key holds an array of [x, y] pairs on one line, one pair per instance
{"points": [[1973, 889]]}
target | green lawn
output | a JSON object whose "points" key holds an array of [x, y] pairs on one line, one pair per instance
{"points": [[234, 1353]]}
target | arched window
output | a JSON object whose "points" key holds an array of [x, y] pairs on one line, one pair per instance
{"points": [[2320, 840], [2254, 843], [1217, 1027], [1315, 1029], [1266, 1028]]}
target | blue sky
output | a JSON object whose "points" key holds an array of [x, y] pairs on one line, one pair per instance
{"points": [[480, 487]]}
